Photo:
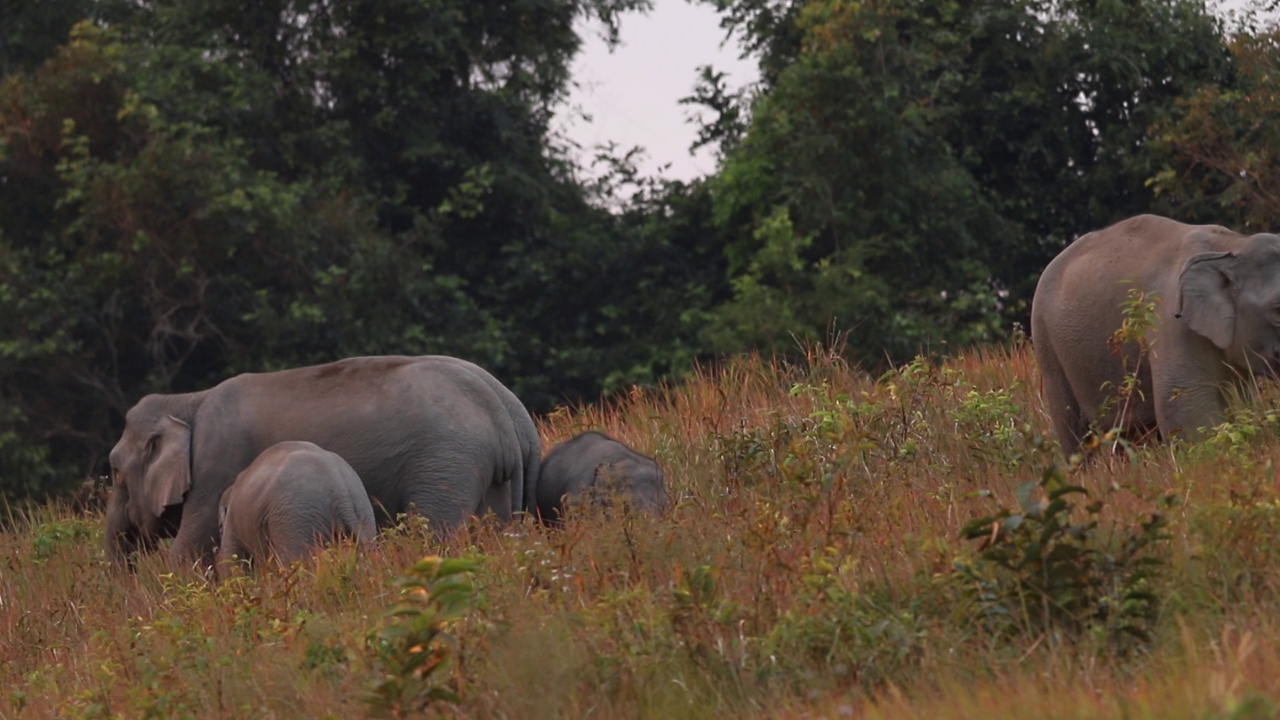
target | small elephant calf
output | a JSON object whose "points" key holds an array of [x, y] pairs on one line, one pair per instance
{"points": [[294, 498], [595, 465]]}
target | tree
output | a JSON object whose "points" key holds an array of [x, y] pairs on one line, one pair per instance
{"points": [[910, 166], [123, 258], [201, 189], [1220, 153]]}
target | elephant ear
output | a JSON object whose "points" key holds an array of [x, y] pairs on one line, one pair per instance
{"points": [[1204, 297], [168, 471]]}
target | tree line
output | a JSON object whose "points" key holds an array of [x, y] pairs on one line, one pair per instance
{"points": [[191, 190]]}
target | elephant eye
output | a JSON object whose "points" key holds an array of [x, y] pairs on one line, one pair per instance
{"points": [[1273, 315]]}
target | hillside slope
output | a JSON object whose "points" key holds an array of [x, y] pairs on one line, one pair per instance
{"points": [[815, 564]]}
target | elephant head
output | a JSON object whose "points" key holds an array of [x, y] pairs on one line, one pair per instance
{"points": [[1233, 299], [151, 473]]}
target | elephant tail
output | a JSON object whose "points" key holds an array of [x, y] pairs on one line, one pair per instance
{"points": [[532, 473]]}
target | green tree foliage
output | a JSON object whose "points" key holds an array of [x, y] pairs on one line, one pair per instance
{"points": [[207, 188], [190, 190], [1059, 129], [137, 251], [649, 277], [1222, 150], [910, 166], [34, 29]]}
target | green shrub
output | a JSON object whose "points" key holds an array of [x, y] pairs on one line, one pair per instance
{"points": [[835, 631], [49, 537], [412, 646], [1042, 569]]}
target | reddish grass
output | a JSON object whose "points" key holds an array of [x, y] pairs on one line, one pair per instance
{"points": [[806, 569]]}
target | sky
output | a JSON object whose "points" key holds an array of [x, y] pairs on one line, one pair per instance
{"points": [[632, 93]]}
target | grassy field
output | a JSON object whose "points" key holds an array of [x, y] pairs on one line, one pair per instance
{"points": [[842, 546]]}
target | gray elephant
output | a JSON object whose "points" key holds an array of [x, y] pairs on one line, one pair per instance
{"points": [[433, 435], [523, 494], [1216, 325], [594, 465], [293, 499]]}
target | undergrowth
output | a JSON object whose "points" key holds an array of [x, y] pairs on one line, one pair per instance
{"points": [[907, 545]]}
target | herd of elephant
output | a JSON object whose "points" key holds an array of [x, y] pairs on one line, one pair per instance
{"points": [[1178, 317], [275, 465]]}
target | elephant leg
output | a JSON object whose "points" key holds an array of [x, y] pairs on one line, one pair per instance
{"points": [[503, 508], [197, 535], [356, 516], [498, 499], [1069, 422], [295, 541], [364, 532], [232, 557], [1186, 409], [448, 495]]}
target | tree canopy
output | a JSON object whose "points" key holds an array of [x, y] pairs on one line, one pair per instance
{"points": [[909, 166], [190, 190]]}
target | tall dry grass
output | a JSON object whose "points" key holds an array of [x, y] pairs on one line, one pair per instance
{"points": [[808, 568]]}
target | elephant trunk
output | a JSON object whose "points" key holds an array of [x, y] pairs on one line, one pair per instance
{"points": [[120, 534]]}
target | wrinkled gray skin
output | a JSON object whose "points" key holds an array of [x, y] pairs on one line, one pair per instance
{"points": [[431, 434], [523, 495], [595, 465], [1217, 325], [291, 501]]}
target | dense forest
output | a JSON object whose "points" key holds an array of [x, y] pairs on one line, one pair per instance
{"points": [[191, 190]]}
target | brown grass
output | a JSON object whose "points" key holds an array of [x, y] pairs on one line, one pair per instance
{"points": [[808, 569]]}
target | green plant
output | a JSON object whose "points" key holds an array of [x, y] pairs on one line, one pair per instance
{"points": [[751, 452], [415, 640], [1236, 435], [990, 421], [50, 536], [1131, 344], [1041, 568], [837, 629]]}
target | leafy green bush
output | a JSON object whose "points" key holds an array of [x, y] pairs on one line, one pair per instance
{"points": [[836, 630], [47, 539], [990, 422], [413, 645], [1042, 568]]}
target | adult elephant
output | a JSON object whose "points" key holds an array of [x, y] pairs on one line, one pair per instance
{"points": [[292, 499], [1216, 326], [523, 494], [594, 466], [425, 434]]}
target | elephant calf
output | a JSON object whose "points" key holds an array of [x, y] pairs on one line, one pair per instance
{"points": [[595, 465], [292, 499]]}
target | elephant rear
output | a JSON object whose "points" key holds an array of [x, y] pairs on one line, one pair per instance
{"points": [[292, 500], [1079, 304]]}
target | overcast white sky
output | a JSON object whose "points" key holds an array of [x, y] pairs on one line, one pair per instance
{"points": [[633, 93]]}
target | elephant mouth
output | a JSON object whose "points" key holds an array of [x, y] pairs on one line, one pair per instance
{"points": [[163, 527]]}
